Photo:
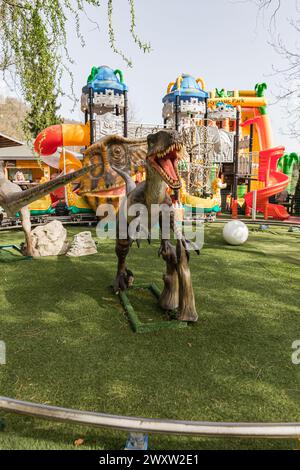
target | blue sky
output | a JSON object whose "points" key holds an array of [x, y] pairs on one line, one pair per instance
{"points": [[220, 40]]}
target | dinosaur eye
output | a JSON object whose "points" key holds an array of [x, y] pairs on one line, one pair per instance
{"points": [[118, 156], [150, 139]]}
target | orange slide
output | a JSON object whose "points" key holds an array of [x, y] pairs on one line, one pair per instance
{"points": [[275, 183]]}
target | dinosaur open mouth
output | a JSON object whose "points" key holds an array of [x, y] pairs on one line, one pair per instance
{"points": [[166, 164]]}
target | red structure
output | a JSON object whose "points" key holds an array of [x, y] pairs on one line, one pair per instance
{"points": [[275, 182]]}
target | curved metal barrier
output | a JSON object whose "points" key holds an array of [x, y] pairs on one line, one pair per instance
{"points": [[145, 425]]}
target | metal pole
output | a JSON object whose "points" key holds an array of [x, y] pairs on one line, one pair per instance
{"points": [[91, 113], [65, 172], [206, 111], [254, 204], [236, 154], [125, 114], [177, 107], [250, 155], [144, 425]]}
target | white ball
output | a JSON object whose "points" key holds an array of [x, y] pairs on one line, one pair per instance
{"points": [[235, 232]]}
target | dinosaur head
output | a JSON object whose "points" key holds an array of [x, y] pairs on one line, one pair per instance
{"points": [[160, 152], [111, 152], [165, 149]]}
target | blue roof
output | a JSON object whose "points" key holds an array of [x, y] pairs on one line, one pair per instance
{"points": [[105, 79], [189, 88]]}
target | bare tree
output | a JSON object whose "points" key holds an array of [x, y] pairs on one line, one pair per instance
{"points": [[289, 87]]}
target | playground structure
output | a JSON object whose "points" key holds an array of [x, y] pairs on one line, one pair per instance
{"points": [[249, 164], [227, 135]]}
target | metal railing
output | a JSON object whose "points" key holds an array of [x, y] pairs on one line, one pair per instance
{"points": [[148, 425], [248, 164]]}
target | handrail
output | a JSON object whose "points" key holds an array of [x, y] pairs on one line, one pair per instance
{"points": [[149, 425]]}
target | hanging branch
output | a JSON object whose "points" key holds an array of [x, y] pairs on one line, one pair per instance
{"points": [[111, 34], [33, 47], [144, 46]]}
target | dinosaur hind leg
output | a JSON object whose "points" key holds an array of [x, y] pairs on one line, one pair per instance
{"points": [[26, 224], [124, 276], [187, 308], [169, 299]]}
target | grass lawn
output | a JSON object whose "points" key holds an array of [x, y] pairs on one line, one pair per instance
{"points": [[69, 343]]}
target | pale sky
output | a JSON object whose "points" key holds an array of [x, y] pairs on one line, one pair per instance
{"points": [[219, 40]]}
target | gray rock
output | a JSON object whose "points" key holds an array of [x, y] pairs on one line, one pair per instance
{"points": [[49, 239], [82, 245]]}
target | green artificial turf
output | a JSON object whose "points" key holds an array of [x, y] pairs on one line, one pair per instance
{"points": [[69, 343]]}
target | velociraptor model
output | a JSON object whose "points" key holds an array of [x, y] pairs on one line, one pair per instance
{"points": [[161, 154], [13, 199]]}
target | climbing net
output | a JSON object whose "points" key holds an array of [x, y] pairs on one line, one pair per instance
{"points": [[198, 168]]}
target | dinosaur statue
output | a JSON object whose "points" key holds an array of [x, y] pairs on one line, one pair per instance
{"points": [[13, 199], [161, 153]]}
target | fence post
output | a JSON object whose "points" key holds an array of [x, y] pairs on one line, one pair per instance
{"points": [[234, 209]]}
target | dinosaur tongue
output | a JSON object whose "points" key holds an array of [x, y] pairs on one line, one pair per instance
{"points": [[167, 165]]}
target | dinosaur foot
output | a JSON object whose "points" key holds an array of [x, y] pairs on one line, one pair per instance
{"points": [[169, 299], [123, 280], [187, 308], [26, 250]]}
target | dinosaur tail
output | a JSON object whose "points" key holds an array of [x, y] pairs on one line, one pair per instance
{"points": [[130, 184], [16, 201]]}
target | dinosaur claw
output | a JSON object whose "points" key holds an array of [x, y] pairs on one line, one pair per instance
{"points": [[190, 246], [123, 281]]}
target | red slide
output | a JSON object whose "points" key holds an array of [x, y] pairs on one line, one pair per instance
{"points": [[275, 183]]}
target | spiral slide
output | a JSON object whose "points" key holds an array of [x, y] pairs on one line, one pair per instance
{"points": [[275, 183]]}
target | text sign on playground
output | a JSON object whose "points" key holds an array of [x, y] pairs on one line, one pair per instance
{"points": [[2, 353]]}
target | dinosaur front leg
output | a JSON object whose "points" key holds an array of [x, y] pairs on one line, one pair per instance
{"points": [[26, 224], [169, 299], [124, 276], [187, 308]]}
